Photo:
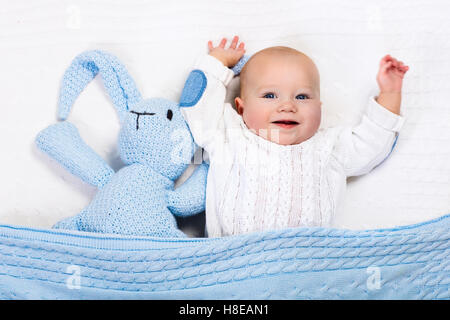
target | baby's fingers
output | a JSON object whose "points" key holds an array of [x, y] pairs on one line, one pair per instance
{"points": [[223, 43], [234, 42], [386, 65], [388, 58], [399, 66], [403, 67], [232, 47], [385, 60]]}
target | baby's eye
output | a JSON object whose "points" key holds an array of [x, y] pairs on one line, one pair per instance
{"points": [[301, 96], [269, 96]]}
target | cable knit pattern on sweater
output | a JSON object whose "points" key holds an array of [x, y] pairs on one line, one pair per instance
{"points": [[255, 184]]}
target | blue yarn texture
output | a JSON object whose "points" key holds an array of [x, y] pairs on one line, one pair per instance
{"points": [[154, 143], [193, 89], [409, 262]]}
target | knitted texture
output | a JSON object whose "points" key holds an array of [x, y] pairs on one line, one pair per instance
{"points": [[62, 142], [154, 143], [238, 67], [255, 184], [409, 262]]}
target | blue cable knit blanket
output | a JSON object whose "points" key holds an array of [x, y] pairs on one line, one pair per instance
{"points": [[408, 262]]}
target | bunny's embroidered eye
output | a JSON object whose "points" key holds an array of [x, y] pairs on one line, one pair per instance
{"points": [[169, 114]]}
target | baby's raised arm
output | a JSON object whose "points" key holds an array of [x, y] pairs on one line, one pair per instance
{"points": [[363, 147], [203, 98]]}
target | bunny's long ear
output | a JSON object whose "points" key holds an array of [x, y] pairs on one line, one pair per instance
{"points": [[118, 83]]}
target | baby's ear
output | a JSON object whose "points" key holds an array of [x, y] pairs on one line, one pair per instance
{"points": [[239, 105]]}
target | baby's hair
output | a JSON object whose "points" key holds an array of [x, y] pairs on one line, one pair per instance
{"points": [[281, 50]]}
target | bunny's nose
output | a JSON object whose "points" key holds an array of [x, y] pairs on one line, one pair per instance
{"points": [[141, 114], [169, 114]]}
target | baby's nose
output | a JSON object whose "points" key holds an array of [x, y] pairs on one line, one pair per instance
{"points": [[287, 105]]}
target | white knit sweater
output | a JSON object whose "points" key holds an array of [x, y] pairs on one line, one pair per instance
{"points": [[254, 184]]}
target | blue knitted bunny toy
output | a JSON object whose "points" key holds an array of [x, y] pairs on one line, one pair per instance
{"points": [[154, 142]]}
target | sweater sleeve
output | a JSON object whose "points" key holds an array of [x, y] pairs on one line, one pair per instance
{"points": [[203, 100], [363, 147]]}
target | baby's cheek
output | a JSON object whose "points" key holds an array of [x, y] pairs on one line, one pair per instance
{"points": [[314, 117], [317, 116], [255, 120]]}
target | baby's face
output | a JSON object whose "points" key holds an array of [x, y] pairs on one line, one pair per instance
{"points": [[280, 100]]}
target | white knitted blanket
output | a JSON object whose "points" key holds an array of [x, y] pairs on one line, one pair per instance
{"points": [[159, 41]]}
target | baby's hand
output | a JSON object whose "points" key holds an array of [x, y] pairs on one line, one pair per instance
{"points": [[229, 57], [390, 75]]}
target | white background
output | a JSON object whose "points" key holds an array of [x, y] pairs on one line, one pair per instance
{"points": [[159, 40]]}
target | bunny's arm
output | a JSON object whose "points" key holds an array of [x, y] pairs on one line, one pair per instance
{"points": [[62, 142], [189, 198]]}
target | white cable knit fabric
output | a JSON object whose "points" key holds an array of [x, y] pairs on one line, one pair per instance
{"points": [[255, 184]]}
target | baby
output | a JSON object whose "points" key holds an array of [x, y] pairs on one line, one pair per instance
{"points": [[270, 165]]}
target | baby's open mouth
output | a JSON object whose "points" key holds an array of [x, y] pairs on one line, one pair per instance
{"points": [[285, 122]]}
